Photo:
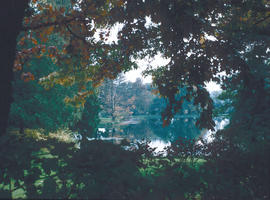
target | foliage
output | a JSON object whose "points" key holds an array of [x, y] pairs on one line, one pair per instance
{"points": [[50, 168], [126, 101], [46, 167], [183, 38], [79, 56], [201, 39], [36, 107], [40, 103], [181, 30], [224, 103], [88, 123], [121, 99]]}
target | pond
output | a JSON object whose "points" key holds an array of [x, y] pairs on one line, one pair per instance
{"points": [[149, 128]]}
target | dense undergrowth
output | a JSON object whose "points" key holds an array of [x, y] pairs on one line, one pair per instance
{"points": [[35, 165]]}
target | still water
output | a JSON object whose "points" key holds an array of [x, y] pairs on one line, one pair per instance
{"points": [[151, 129]]}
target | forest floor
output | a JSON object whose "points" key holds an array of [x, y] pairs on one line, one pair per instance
{"points": [[155, 165]]}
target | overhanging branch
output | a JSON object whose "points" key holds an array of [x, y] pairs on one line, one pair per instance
{"points": [[48, 24]]}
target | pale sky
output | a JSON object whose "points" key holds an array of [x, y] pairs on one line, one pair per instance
{"points": [[158, 61]]}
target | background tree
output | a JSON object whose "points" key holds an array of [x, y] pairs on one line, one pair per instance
{"points": [[107, 96], [88, 123], [141, 93]]}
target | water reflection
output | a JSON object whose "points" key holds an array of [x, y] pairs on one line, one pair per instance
{"points": [[151, 129], [220, 124]]}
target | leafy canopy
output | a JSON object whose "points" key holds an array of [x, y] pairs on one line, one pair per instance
{"points": [[201, 39]]}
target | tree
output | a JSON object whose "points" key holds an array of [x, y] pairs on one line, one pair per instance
{"points": [[81, 57], [14, 11], [109, 60], [183, 37], [179, 31], [74, 25], [108, 98], [36, 107], [201, 38], [87, 125], [245, 142], [122, 99], [141, 95], [40, 103]]}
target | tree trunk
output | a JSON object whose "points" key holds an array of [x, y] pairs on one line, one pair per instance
{"points": [[11, 15]]}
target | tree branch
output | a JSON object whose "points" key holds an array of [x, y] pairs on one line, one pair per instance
{"points": [[43, 25], [75, 35], [262, 20]]}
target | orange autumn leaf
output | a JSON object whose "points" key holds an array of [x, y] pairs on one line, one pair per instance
{"points": [[64, 51], [120, 3], [34, 41], [43, 50], [26, 20], [39, 56], [22, 41], [50, 8], [26, 77], [50, 30]]}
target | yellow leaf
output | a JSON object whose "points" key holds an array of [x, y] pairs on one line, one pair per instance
{"points": [[202, 40], [249, 13], [216, 34]]}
